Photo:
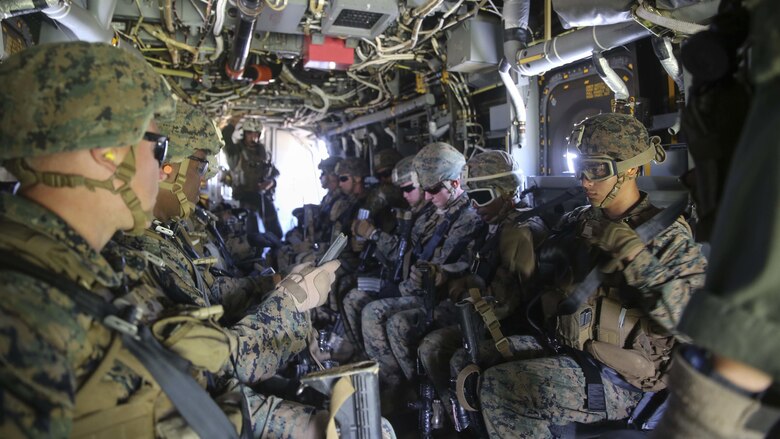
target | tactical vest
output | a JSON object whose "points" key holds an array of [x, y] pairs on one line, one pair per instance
{"points": [[108, 408], [611, 325]]}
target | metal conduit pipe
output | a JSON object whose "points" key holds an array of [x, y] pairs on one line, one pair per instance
{"points": [[516, 33], [612, 79], [80, 22], [396, 110], [576, 46], [243, 39], [103, 11], [662, 47], [518, 132], [13, 9]]}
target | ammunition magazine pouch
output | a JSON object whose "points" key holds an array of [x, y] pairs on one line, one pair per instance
{"points": [[201, 341]]}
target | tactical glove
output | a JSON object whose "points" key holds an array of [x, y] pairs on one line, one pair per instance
{"points": [[616, 238], [363, 228], [309, 285]]}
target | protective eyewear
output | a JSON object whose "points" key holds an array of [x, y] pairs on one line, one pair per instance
{"points": [[344, 178], [160, 145], [203, 165], [435, 189], [408, 188], [595, 169], [483, 196]]}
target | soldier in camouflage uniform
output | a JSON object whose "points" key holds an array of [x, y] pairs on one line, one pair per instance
{"points": [[330, 182], [405, 178], [627, 325], [385, 197], [253, 174], [505, 260], [87, 166], [266, 334], [94, 170], [443, 239]]}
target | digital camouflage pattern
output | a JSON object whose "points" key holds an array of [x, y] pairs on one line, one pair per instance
{"points": [[266, 336], [76, 95], [516, 259], [392, 328], [386, 159], [47, 347], [404, 172], [538, 397], [190, 131], [491, 163], [438, 162], [353, 166], [549, 391], [252, 125], [619, 136]]}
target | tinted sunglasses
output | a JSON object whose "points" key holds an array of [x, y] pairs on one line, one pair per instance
{"points": [[344, 178], [203, 165], [435, 189], [483, 196], [160, 145], [408, 188]]}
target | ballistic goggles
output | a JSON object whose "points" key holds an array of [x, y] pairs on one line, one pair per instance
{"points": [[483, 196], [600, 168]]}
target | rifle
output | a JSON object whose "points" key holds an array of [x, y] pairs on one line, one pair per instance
{"points": [[428, 293], [206, 218], [368, 247], [405, 232], [354, 399]]}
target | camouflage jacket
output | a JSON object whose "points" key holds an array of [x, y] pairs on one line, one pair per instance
{"points": [[267, 335], [457, 245], [48, 347], [387, 243], [505, 258], [649, 294]]}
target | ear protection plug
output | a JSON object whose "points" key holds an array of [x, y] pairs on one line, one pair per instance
{"points": [[110, 156], [167, 168]]}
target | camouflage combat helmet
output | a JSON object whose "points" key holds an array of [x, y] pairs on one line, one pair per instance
{"points": [[70, 96], [353, 166], [76, 95], [495, 169], [386, 159], [609, 145], [328, 165], [191, 130], [619, 136], [252, 124], [404, 172], [438, 162]]}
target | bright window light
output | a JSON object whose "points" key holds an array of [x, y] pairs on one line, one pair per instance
{"points": [[570, 156]]}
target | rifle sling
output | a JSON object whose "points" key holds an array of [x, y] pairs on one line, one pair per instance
{"points": [[167, 368], [646, 231]]}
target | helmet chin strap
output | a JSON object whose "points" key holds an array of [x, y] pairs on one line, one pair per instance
{"points": [[186, 207], [621, 178], [124, 173]]}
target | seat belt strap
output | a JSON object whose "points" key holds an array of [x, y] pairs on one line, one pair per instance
{"points": [[594, 386]]}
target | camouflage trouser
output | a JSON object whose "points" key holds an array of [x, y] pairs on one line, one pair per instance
{"points": [[392, 329], [354, 302], [533, 397], [273, 417], [435, 352]]}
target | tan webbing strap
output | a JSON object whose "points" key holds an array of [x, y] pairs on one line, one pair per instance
{"points": [[485, 310], [460, 386], [342, 391]]}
